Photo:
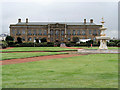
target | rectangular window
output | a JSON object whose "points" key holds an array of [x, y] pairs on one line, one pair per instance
{"points": [[83, 32], [45, 32], [68, 32], [34, 32], [18, 32], [51, 32], [73, 32], [94, 32], [40, 32], [29, 32], [78, 32], [23, 31], [13, 32], [90, 32], [99, 32], [62, 32]]}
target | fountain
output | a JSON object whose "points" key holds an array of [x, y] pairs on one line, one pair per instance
{"points": [[103, 38]]}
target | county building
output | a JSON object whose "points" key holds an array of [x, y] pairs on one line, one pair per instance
{"points": [[54, 31]]}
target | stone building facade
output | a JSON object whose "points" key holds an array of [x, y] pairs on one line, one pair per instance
{"points": [[54, 31]]}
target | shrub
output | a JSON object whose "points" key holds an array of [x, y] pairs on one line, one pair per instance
{"points": [[111, 44], [3, 44]]}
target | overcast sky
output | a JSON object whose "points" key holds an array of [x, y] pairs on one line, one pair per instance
{"points": [[60, 11]]}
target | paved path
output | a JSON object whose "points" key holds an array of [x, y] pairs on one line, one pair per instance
{"points": [[31, 59]]}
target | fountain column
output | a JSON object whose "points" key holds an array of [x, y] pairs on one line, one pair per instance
{"points": [[103, 38]]}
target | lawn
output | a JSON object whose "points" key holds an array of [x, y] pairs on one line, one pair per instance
{"points": [[88, 71], [36, 49], [97, 47], [25, 55]]}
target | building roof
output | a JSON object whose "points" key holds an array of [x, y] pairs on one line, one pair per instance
{"points": [[46, 23]]}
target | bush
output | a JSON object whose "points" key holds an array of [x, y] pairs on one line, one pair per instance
{"points": [[31, 44], [111, 44], [3, 44]]}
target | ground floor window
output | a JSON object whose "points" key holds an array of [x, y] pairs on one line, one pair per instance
{"points": [[23, 38], [29, 39], [69, 39]]}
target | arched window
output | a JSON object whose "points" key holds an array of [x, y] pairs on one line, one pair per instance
{"points": [[69, 39], [23, 38], [29, 39], [68, 32]]}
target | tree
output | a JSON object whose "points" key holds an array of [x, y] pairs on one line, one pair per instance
{"points": [[36, 40], [9, 38], [75, 39], [43, 40], [19, 40]]}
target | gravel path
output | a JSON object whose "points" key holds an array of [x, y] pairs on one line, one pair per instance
{"points": [[31, 59]]}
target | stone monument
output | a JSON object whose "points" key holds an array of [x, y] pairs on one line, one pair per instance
{"points": [[103, 38]]}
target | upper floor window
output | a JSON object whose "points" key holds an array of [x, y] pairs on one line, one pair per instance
{"points": [[68, 32], [45, 32], [34, 32], [29, 32], [57, 32], [13, 32], [78, 32], [83, 32], [40, 32], [99, 32], [90, 32], [23, 31], [62, 32], [73, 32], [51, 32], [18, 32], [94, 32]]}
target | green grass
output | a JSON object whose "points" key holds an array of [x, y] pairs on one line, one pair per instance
{"points": [[25, 55], [36, 49], [97, 47], [89, 71]]}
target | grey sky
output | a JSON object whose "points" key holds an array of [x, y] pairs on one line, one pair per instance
{"points": [[59, 11]]}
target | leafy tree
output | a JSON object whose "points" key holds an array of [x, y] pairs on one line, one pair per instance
{"points": [[19, 40], [43, 40], [36, 40], [9, 38], [75, 39]]}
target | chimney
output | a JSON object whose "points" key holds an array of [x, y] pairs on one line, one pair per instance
{"points": [[26, 20], [91, 20], [19, 20], [84, 21]]}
